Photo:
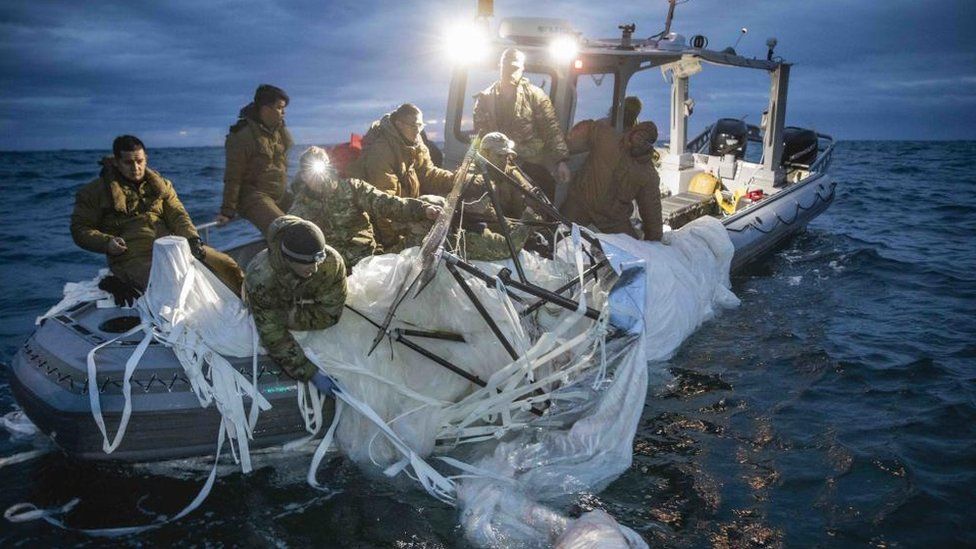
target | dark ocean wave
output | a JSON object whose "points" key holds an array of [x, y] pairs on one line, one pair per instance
{"points": [[80, 176]]}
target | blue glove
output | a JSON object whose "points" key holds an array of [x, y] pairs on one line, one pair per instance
{"points": [[324, 384]]}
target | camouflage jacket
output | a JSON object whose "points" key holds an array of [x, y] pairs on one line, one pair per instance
{"points": [[532, 125], [610, 181], [140, 213], [489, 244], [344, 212], [282, 301], [399, 168], [256, 161]]}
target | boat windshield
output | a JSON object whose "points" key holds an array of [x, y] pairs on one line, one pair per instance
{"points": [[594, 96]]}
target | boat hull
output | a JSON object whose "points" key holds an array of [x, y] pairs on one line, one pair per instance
{"points": [[761, 229], [49, 380]]}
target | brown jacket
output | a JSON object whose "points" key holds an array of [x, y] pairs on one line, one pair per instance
{"points": [[257, 162], [399, 168], [532, 124], [605, 188], [140, 213]]}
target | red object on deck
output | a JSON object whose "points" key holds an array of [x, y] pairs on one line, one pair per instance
{"points": [[755, 195], [344, 154]]}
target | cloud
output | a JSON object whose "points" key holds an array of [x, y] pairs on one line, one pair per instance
{"points": [[73, 74]]}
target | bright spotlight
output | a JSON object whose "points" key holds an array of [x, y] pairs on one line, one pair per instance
{"points": [[563, 49], [318, 167], [466, 43]]}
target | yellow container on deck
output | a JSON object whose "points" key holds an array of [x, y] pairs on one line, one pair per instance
{"points": [[704, 183]]}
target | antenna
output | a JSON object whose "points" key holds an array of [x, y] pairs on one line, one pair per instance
{"points": [[742, 32], [731, 49], [667, 22]]}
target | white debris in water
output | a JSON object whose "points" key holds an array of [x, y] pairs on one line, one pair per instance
{"points": [[18, 425], [795, 280]]}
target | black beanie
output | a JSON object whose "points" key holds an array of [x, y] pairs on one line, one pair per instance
{"points": [[266, 94], [303, 243]]}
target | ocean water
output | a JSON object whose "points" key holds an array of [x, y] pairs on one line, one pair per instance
{"points": [[836, 406]]}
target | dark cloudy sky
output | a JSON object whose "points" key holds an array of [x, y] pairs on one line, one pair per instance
{"points": [[73, 74]]}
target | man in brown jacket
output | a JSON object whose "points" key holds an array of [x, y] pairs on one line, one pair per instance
{"points": [[524, 113], [256, 173], [123, 211], [395, 160], [618, 171]]}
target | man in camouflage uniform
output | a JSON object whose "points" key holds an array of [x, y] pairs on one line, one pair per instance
{"points": [[395, 160], [256, 172], [343, 208], [484, 240], [524, 113], [297, 283], [618, 171], [123, 211]]}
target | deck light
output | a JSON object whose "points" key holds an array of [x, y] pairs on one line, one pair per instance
{"points": [[578, 64], [466, 43], [318, 167], [563, 49]]}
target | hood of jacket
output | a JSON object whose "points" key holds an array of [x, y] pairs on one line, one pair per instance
{"points": [[646, 127], [385, 129], [114, 182], [250, 113]]}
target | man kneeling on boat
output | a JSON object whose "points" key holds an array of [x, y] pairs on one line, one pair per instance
{"points": [[297, 283], [123, 211], [344, 209], [482, 236]]}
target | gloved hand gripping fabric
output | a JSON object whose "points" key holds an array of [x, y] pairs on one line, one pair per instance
{"points": [[123, 293], [324, 384], [196, 248]]}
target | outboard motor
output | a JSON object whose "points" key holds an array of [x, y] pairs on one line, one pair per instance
{"points": [[799, 146], [729, 136]]}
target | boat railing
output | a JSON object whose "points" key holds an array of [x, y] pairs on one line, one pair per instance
{"points": [[698, 144], [822, 163], [204, 229]]}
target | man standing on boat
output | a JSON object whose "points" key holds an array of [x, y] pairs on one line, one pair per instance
{"points": [[618, 171], [395, 160], [524, 113], [297, 283], [123, 211], [256, 172], [343, 208]]}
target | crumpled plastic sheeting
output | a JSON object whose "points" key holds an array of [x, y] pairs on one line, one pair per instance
{"points": [[80, 292], [515, 483], [408, 391], [687, 281], [552, 465]]}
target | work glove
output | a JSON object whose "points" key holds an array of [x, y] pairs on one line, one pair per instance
{"points": [[324, 384], [196, 248], [123, 293]]}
